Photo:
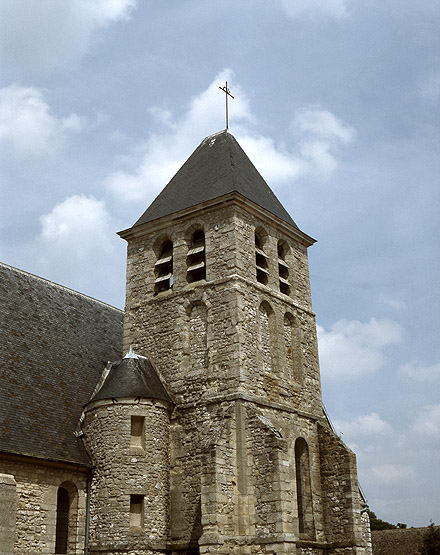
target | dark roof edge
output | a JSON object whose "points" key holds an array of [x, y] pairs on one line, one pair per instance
{"points": [[93, 403], [138, 230], [45, 461], [63, 287]]}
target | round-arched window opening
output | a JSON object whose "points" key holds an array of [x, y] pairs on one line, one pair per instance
{"points": [[261, 259], [163, 268], [283, 268], [196, 258]]}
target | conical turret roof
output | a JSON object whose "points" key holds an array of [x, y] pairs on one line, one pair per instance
{"points": [[217, 167], [133, 376]]}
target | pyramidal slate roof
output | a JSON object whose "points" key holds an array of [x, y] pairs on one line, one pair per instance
{"points": [[54, 344], [133, 376], [218, 166]]}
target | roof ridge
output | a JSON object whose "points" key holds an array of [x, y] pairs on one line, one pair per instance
{"points": [[58, 285]]}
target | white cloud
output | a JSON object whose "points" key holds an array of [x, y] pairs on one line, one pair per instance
{"points": [[49, 35], [275, 164], [352, 348], [420, 373], [318, 132], [323, 124], [27, 125], [368, 424], [76, 228], [320, 135], [390, 473], [78, 247], [427, 421], [396, 304], [336, 9]]}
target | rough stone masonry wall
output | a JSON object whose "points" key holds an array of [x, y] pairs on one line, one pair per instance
{"points": [[223, 308], [341, 497], [256, 299], [225, 311], [121, 470], [248, 483], [275, 382], [36, 505], [159, 325]]}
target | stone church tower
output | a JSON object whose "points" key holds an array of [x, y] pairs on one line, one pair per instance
{"points": [[210, 437]]}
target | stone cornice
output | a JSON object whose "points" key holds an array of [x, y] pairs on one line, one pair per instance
{"points": [[229, 199], [191, 288]]}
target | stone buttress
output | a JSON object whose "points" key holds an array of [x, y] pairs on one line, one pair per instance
{"points": [[243, 459]]}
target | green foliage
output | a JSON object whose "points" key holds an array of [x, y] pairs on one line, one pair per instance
{"points": [[431, 541], [378, 524]]}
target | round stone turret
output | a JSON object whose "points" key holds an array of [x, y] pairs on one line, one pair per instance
{"points": [[126, 432]]}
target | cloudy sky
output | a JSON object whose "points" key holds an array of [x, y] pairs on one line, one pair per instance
{"points": [[336, 103]]}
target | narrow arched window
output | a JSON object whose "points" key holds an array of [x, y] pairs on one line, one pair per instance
{"points": [[195, 259], [164, 268], [292, 345], [266, 336], [261, 259], [283, 268], [304, 489], [62, 522]]}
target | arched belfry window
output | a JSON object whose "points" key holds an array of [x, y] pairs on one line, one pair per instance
{"points": [[196, 259], [304, 489], [163, 268], [261, 258], [283, 268]]}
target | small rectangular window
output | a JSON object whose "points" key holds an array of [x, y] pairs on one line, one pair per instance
{"points": [[137, 436], [136, 512]]}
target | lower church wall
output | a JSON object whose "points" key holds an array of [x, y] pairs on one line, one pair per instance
{"points": [[36, 493]]}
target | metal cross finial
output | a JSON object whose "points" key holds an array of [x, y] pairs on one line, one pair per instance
{"points": [[227, 93]]}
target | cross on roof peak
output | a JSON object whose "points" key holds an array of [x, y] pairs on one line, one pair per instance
{"points": [[227, 93]]}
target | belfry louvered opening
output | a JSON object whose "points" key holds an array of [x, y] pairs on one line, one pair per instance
{"points": [[196, 258], [283, 268], [163, 268], [261, 260]]}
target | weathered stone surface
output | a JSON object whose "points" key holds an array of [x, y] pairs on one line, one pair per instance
{"points": [[36, 505], [240, 361]]}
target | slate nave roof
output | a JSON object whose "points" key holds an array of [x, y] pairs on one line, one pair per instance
{"points": [[54, 344]]}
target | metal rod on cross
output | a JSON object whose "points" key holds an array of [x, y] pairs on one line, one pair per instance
{"points": [[227, 93]]}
